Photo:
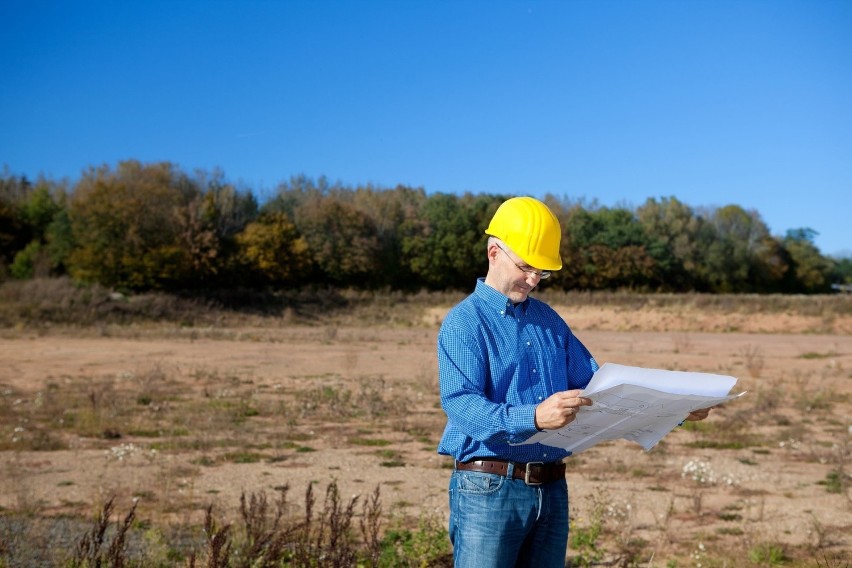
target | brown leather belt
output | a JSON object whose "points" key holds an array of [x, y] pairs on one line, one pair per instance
{"points": [[532, 473]]}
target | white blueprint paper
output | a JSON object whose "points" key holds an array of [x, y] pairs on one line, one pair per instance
{"points": [[637, 404]]}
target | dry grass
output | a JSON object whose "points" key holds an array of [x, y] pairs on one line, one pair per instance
{"points": [[151, 426], [41, 303]]}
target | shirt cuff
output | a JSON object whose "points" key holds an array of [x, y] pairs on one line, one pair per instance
{"points": [[525, 423]]}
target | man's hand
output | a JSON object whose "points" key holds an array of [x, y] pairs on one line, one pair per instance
{"points": [[559, 409], [699, 414]]}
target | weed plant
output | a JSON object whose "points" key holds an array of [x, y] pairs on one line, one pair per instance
{"points": [[268, 534]]}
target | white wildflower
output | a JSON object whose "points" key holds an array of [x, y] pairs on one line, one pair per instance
{"points": [[699, 471], [121, 451]]}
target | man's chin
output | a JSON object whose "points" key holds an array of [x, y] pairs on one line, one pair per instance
{"points": [[517, 297]]}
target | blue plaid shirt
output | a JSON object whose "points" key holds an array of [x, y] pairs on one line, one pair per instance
{"points": [[496, 363]]}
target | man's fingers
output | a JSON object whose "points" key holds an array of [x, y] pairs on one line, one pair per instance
{"points": [[699, 414], [577, 402]]}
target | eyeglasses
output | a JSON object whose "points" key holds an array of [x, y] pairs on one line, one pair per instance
{"points": [[542, 274]]}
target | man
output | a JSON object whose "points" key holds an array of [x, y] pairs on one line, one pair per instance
{"points": [[509, 366]]}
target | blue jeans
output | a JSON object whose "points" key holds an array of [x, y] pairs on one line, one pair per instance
{"points": [[499, 522]]}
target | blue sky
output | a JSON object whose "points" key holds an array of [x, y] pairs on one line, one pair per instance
{"points": [[713, 102]]}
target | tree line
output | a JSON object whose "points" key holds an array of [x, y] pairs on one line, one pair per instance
{"points": [[139, 227]]}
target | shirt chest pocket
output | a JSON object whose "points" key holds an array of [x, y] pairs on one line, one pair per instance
{"points": [[540, 373]]}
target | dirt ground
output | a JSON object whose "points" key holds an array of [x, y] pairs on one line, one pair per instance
{"points": [[775, 470]]}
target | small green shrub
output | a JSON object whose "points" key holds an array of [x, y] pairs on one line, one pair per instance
{"points": [[244, 457], [428, 545], [584, 539], [717, 445], [369, 442], [815, 355], [768, 554], [835, 481]]}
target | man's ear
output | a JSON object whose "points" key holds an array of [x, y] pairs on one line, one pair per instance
{"points": [[493, 251]]}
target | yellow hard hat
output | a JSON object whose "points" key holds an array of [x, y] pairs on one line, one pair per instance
{"points": [[530, 229]]}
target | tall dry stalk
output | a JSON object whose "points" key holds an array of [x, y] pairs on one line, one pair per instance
{"points": [[753, 358], [90, 552]]}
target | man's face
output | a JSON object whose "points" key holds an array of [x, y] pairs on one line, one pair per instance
{"points": [[510, 275]]}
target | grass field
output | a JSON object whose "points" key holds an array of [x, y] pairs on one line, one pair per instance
{"points": [[321, 414]]}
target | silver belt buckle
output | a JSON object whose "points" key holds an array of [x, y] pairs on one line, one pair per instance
{"points": [[527, 473]]}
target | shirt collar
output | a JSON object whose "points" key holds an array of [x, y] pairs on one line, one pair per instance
{"points": [[497, 301]]}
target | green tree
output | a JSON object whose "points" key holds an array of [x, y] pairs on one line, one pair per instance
{"points": [[811, 272], [14, 231], [41, 205], [605, 248], [445, 246], [27, 215], [30, 261], [842, 270], [12, 237], [342, 240], [741, 255], [44, 210], [59, 238], [392, 211], [674, 233]]}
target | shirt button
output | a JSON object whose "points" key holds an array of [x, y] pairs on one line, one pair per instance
{"points": [[539, 398], [528, 343], [533, 370]]}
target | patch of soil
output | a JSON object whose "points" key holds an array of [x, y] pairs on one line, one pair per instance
{"points": [[250, 410]]}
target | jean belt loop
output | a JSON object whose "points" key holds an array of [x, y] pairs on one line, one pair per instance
{"points": [[510, 469]]}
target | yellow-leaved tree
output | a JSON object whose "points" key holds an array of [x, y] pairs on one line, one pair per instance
{"points": [[273, 250]]}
